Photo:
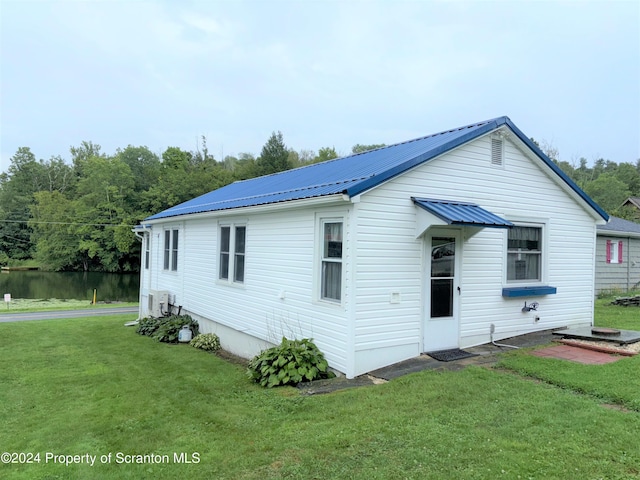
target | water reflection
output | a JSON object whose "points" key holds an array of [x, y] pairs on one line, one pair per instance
{"points": [[70, 285]]}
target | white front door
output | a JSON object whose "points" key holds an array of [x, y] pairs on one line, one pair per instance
{"points": [[442, 289]]}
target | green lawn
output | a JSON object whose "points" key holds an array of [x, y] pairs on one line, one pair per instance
{"points": [[617, 382], [51, 304], [92, 386]]}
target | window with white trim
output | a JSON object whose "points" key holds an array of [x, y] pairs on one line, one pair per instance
{"points": [[331, 262], [524, 254], [232, 250], [614, 251], [147, 242], [171, 249], [174, 250]]}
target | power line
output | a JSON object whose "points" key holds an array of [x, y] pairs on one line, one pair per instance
{"points": [[70, 223]]}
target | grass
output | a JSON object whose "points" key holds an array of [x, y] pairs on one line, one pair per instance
{"points": [[607, 315], [21, 263], [93, 386], [51, 304], [617, 382]]}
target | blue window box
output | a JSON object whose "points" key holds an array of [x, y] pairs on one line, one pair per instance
{"points": [[528, 291]]}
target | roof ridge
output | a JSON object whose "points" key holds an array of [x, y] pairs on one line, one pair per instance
{"points": [[309, 165], [451, 130]]}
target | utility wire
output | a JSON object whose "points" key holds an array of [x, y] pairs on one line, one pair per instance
{"points": [[70, 223]]}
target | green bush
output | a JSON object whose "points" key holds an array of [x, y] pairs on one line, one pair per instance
{"points": [[291, 362], [206, 341], [166, 329], [148, 326], [169, 329]]}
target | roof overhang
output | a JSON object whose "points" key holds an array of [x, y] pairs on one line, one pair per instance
{"points": [[616, 233], [326, 200], [434, 212]]}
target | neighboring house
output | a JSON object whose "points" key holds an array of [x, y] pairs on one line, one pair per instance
{"points": [[618, 256], [633, 202], [430, 244]]}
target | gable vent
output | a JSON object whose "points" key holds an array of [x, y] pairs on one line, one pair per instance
{"points": [[496, 151]]}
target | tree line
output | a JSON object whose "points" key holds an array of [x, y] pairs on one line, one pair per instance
{"points": [[77, 215], [608, 183]]}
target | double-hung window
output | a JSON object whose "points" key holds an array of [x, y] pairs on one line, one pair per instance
{"points": [[171, 249], [331, 271], [524, 254], [232, 241], [147, 247]]}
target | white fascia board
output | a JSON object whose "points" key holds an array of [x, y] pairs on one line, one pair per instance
{"points": [[335, 199], [613, 233], [426, 220]]}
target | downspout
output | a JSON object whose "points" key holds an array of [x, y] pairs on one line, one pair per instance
{"points": [[142, 229], [350, 263]]}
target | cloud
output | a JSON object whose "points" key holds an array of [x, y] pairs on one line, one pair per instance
{"points": [[324, 73]]}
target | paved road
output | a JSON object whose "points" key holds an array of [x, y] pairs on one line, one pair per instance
{"points": [[20, 317]]}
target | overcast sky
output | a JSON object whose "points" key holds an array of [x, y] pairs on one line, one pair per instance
{"points": [[330, 73]]}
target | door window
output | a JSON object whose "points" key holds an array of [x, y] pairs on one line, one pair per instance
{"points": [[443, 254]]}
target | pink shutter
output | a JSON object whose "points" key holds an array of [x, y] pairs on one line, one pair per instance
{"points": [[608, 251], [619, 252]]}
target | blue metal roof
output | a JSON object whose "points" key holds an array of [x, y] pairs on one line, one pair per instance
{"points": [[462, 213], [350, 175]]}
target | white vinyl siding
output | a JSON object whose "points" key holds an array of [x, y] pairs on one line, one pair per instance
{"points": [[280, 276], [389, 253]]}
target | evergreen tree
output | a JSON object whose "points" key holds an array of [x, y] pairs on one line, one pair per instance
{"points": [[274, 156]]}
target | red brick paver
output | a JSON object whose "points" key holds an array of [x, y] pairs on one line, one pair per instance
{"points": [[576, 354]]}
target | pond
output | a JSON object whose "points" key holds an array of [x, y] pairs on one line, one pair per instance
{"points": [[70, 285]]}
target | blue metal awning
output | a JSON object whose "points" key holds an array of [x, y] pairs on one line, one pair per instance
{"points": [[462, 213]]}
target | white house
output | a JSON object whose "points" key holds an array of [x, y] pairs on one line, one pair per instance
{"points": [[430, 244]]}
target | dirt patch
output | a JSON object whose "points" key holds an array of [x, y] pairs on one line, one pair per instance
{"points": [[232, 358], [620, 408]]}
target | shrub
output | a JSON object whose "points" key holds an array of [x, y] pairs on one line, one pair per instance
{"points": [[291, 362], [170, 328], [148, 326], [166, 329], [206, 341]]}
